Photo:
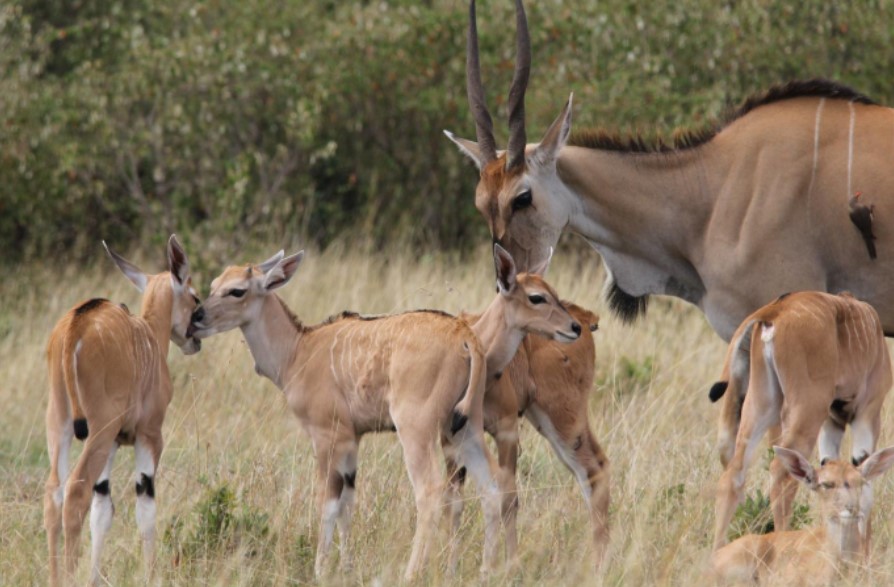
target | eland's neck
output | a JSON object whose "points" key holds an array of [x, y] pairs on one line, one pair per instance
{"points": [[499, 340], [845, 539], [272, 339], [156, 309], [646, 214]]}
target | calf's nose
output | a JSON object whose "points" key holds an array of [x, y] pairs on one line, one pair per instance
{"points": [[575, 327], [198, 314]]}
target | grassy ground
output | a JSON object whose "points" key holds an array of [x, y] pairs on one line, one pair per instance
{"points": [[235, 488]]}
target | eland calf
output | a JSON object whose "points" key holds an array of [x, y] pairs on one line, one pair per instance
{"points": [[109, 386], [804, 365], [547, 377], [813, 556], [421, 374]]}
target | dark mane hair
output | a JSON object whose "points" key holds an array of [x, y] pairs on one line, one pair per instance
{"points": [[349, 315], [293, 318], [688, 138]]}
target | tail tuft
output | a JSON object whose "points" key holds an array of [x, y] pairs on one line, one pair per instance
{"points": [[717, 390], [80, 428], [459, 420]]}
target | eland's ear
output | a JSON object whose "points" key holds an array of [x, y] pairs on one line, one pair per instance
{"points": [[505, 268], [271, 262], [797, 466], [130, 271], [468, 148], [878, 463], [555, 138], [282, 272], [178, 264], [540, 269]]}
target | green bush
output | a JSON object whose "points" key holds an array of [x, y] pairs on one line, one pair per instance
{"points": [[230, 121], [219, 522]]}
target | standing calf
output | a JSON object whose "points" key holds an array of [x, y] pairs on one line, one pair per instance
{"points": [[813, 556], [109, 385], [811, 363], [548, 379], [420, 373]]}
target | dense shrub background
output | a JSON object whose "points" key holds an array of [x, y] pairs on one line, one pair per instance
{"points": [[230, 121]]}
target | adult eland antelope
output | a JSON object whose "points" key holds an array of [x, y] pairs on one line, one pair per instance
{"points": [[813, 556], [804, 366], [726, 218], [421, 374], [538, 368], [109, 385]]}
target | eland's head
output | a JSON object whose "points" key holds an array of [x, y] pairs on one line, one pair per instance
{"points": [[519, 192]]}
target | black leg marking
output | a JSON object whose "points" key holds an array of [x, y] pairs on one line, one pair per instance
{"points": [[459, 420], [717, 390], [146, 485], [461, 475], [101, 488], [857, 461], [824, 461], [350, 479], [80, 428]]}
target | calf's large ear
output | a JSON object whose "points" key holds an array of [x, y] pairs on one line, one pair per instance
{"points": [[797, 466], [282, 272], [130, 271]]}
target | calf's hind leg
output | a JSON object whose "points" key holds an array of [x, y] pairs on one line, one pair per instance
{"points": [[147, 452], [419, 447], [578, 450], [59, 436]]}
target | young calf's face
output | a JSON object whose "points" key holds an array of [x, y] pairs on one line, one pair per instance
{"points": [[185, 303], [234, 301], [536, 309], [238, 294]]}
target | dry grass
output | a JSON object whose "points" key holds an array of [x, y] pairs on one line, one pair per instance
{"points": [[228, 430]]}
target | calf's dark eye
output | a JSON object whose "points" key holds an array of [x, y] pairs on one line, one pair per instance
{"points": [[536, 299], [236, 293], [523, 200]]}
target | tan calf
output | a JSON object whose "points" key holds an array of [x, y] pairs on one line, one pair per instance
{"points": [[813, 556], [353, 375], [811, 363], [109, 384], [548, 379]]}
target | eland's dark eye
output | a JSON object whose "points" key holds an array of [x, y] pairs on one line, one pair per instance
{"points": [[522, 201], [536, 299], [236, 293]]}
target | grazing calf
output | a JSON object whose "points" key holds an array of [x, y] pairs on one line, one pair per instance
{"points": [[813, 556], [109, 385], [420, 373], [548, 379], [811, 363]]}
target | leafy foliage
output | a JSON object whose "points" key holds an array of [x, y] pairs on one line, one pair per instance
{"points": [[754, 516], [218, 522], [229, 121]]}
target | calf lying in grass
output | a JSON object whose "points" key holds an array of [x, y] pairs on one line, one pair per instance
{"points": [[805, 365], [420, 374], [813, 556]]}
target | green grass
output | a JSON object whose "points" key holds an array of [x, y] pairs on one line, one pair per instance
{"points": [[236, 487]]}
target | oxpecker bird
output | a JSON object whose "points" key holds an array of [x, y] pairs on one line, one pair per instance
{"points": [[861, 216]]}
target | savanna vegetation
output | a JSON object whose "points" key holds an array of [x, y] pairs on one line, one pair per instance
{"points": [[235, 486], [246, 126], [239, 121]]}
